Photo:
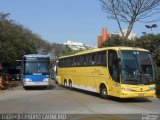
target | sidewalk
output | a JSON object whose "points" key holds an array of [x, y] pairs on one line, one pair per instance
{"points": [[12, 84]]}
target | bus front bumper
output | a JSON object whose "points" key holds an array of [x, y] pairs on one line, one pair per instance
{"points": [[137, 94], [36, 84]]}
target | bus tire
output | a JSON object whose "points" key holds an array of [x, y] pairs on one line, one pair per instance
{"points": [[65, 83], [103, 92], [70, 84], [24, 87]]}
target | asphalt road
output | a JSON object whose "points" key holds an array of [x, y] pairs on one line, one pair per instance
{"points": [[78, 104]]}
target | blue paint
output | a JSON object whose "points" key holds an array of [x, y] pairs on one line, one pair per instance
{"points": [[36, 78]]}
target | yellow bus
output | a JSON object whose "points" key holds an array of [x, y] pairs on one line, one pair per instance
{"points": [[123, 72]]}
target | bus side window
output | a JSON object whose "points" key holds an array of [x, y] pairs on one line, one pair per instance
{"points": [[113, 65], [85, 60], [81, 60], [64, 62], [78, 61], [91, 61], [101, 58], [59, 63], [74, 61], [71, 62]]}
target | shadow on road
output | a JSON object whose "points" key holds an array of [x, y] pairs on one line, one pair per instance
{"points": [[40, 88], [129, 100], [120, 100]]}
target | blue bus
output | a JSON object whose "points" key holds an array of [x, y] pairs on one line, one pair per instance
{"points": [[35, 70]]}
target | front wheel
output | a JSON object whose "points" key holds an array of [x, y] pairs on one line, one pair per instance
{"points": [[24, 87], [70, 85], [103, 92], [65, 83]]}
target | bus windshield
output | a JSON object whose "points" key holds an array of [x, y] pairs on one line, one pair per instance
{"points": [[137, 67], [36, 67]]}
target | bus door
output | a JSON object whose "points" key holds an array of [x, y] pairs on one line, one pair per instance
{"points": [[114, 73]]}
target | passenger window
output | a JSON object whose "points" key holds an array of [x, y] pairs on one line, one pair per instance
{"points": [[82, 60], [78, 60], [85, 60], [113, 65], [62, 63], [65, 62], [91, 60], [71, 61], [101, 58], [75, 61]]}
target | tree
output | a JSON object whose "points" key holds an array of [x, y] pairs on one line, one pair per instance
{"points": [[151, 26], [56, 49], [66, 50], [130, 11], [15, 40], [152, 43], [117, 41]]}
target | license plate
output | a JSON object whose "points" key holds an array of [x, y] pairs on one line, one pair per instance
{"points": [[140, 94]]}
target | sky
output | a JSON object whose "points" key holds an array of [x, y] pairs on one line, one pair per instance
{"points": [[58, 21]]}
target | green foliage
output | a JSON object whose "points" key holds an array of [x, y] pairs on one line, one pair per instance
{"points": [[15, 40], [66, 50], [56, 49], [152, 43], [117, 41]]}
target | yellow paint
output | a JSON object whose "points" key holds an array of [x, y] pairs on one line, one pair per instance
{"points": [[94, 76]]}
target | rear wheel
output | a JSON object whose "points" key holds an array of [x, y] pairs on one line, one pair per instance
{"points": [[103, 92], [24, 87], [65, 83], [70, 84]]}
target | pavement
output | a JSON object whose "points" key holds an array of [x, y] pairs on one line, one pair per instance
{"points": [[76, 104]]}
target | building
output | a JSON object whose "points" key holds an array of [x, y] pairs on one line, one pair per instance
{"points": [[104, 37], [77, 45], [131, 36]]}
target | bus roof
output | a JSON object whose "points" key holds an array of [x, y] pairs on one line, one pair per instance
{"points": [[103, 49], [36, 56]]}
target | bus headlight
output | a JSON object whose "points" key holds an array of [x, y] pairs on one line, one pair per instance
{"points": [[152, 88], [126, 89], [27, 80], [45, 79]]}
